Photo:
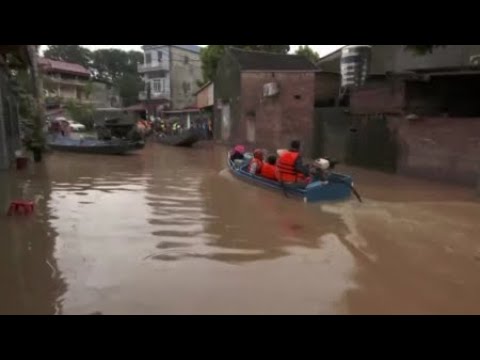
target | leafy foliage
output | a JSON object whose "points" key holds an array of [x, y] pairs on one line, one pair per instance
{"points": [[70, 53], [114, 65], [81, 113], [308, 52], [129, 85]]}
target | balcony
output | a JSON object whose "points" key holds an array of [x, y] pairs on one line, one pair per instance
{"points": [[143, 68], [154, 96], [62, 81]]}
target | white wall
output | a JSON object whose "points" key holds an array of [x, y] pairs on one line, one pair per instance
{"points": [[154, 53]]}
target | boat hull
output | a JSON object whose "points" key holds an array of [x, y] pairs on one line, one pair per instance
{"points": [[185, 139], [337, 188], [92, 146]]}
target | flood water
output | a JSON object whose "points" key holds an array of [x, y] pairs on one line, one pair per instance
{"points": [[169, 231]]}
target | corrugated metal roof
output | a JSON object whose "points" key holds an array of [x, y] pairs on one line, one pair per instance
{"points": [[257, 60], [49, 65]]}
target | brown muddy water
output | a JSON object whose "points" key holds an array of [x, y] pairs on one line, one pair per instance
{"points": [[169, 231]]}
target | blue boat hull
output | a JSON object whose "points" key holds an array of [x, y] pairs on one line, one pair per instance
{"points": [[91, 146], [337, 188]]}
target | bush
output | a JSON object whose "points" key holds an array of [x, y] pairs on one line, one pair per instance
{"points": [[81, 113]]}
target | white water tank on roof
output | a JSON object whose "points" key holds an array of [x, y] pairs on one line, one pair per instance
{"points": [[355, 65]]}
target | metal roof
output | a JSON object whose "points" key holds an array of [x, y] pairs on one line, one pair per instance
{"points": [[49, 65]]}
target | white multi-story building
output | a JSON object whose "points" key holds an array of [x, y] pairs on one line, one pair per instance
{"points": [[171, 74]]}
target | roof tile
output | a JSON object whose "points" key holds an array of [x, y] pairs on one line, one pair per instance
{"points": [[50, 65]]}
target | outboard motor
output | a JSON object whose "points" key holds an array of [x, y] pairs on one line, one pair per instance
{"points": [[323, 167]]}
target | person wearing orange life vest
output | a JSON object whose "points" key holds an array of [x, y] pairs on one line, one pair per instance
{"points": [[290, 168], [256, 163], [269, 169]]}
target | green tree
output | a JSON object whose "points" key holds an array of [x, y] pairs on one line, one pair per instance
{"points": [[210, 57], [129, 85], [112, 64], [115, 65], [278, 49], [120, 67], [308, 52], [70, 53], [81, 113], [212, 54]]}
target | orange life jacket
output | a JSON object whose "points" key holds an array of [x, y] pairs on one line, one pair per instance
{"points": [[269, 171], [286, 167], [259, 164]]}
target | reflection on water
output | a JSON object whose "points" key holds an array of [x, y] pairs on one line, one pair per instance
{"points": [[30, 282], [170, 231]]}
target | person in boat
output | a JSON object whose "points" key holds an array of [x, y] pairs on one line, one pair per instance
{"points": [[177, 128], [269, 169], [237, 153], [256, 164], [290, 167], [55, 127]]}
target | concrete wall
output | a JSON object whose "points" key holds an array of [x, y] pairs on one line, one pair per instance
{"points": [[394, 58], [448, 56], [67, 91], [165, 57], [227, 91], [331, 130], [5, 156], [184, 77], [104, 95], [9, 123], [279, 119]]}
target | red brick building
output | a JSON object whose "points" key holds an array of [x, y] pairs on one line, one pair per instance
{"points": [[264, 99]]}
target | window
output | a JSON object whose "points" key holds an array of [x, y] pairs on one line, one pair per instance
{"points": [[158, 86], [159, 56], [186, 60], [148, 58]]}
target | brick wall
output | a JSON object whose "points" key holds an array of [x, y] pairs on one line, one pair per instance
{"points": [[380, 97], [279, 119], [437, 148], [440, 148]]}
